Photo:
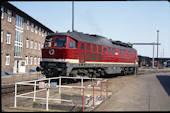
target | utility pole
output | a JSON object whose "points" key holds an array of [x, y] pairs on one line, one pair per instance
{"points": [[72, 16], [153, 61], [148, 44], [157, 45]]}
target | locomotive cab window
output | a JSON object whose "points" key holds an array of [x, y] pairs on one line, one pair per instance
{"points": [[48, 42], [60, 42], [72, 44]]}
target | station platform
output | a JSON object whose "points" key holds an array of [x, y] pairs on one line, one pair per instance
{"points": [[149, 92]]}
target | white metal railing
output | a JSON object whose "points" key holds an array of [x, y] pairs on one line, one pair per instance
{"points": [[34, 83]]}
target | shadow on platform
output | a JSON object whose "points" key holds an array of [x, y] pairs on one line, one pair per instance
{"points": [[165, 81]]}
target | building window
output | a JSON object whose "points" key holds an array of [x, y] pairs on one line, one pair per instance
{"points": [[9, 17], [27, 43], [2, 12], [42, 32], [32, 27], [45, 33], [26, 59], [31, 45], [35, 45], [39, 30], [35, 60], [8, 38], [39, 44], [7, 59], [30, 60], [36, 29], [28, 25], [38, 61], [42, 45], [18, 43], [2, 34], [19, 21]]}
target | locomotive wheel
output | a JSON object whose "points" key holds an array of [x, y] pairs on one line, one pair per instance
{"points": [[122, 73]]}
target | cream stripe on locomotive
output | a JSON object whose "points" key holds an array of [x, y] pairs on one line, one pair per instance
{"points": [[77, 61]]}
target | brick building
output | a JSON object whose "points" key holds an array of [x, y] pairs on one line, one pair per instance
{"points": [[22, 38]]}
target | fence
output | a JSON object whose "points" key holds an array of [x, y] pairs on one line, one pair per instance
{"points": [[44, 85]]}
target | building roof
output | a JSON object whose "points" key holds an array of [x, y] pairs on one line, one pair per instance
{"points": [[23, 14]]}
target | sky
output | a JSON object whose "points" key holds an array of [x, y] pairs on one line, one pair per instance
{"points": [[126, 21]]}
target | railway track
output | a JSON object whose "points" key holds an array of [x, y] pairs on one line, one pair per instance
{"points": [[11, 88]]}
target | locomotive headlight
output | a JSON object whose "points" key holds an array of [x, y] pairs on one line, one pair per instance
{"points": [[51, 51]]}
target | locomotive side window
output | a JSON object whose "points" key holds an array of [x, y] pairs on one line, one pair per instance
{"points": [[99, 48], [105, 49], [88, 47], [82, 46], [123, 52], [74, 44], [108, 50], [71, 44], [120, 52], [113, 50], [93, 56], [88, 56], [94, 47], [48, 42], [129, 53], [99, 57], [60, 42]]}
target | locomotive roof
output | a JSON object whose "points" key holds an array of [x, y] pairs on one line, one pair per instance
{"points": [[92, 38]]}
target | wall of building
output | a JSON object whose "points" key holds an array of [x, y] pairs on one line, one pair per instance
{"points": [[27, 34]]}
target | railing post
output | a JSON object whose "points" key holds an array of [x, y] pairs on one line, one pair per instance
{"points": [[83, 100], [15, 101], [101, 91], [49, 88], [81, 84], [34, 90], [60, 85], [107, 87], [47, 93], [93, 94]]}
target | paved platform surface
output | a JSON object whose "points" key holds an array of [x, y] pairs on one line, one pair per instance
{"points": [[146, 93]]}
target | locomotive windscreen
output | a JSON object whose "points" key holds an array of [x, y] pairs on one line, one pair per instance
{"points": [[60, 42]]}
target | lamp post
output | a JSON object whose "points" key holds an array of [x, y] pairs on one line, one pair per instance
{"points": [[157, 45], [72, 15]]}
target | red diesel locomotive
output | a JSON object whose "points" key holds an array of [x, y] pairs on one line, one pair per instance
{"points": [[75, 53]]}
